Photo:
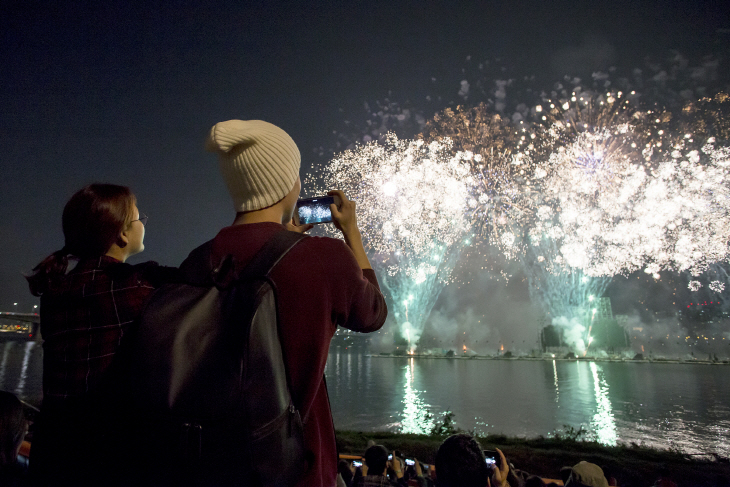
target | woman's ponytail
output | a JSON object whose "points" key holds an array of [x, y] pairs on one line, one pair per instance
{"points": [[48, 272]]}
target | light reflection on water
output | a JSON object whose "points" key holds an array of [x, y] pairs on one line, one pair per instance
{"points": [[21, 369], [662, 405], [20, 388], [416, 416], [557, 388], [603, 421], [4, 361]]}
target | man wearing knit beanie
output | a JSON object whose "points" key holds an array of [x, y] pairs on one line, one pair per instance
{"points": [[321, 283], [259, 162]]}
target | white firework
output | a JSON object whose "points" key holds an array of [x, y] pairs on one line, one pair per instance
{"points": [[414, 201], [717, 286]]}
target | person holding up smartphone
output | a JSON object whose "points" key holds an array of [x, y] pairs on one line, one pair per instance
{"points": [[500, 471], [376, 466], [321, 283], [461, 462]]}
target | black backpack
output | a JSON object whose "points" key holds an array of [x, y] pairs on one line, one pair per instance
{"points": [[208, 380]]}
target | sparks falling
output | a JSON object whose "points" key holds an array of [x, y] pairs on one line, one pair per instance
{"points": [[578, 190], [593, 187], [414, 203]]}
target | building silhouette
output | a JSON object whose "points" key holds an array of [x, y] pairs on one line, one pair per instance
{"points": [[603, 331]]}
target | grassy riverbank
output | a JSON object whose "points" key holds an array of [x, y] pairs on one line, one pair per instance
{"points": [[632, 465]]}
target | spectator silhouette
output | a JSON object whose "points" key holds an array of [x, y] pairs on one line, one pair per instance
{"points": [[343, 468], [13, 428], [584, 474], [376, 466], [460, 462]]}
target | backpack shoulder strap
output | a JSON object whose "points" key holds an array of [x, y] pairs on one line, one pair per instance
{"points": [[196, 268], [271, 253]]}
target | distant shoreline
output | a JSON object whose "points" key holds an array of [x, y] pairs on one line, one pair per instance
{"points": [[558, 359]]}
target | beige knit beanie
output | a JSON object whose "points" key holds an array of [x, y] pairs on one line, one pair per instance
{"points": [[258, 160]]}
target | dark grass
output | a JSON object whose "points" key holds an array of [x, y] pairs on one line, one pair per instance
{"points": [[632, 465]]}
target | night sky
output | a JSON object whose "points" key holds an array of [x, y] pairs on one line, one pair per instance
{"points": [[125, 92]]}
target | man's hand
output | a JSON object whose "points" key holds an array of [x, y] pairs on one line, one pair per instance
{"points": [[345, 220], [397, 468], [293, 227], [345, 217], [499, 475], [419, 472]]}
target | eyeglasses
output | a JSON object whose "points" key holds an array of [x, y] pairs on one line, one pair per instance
{"points": [[142, 218]]}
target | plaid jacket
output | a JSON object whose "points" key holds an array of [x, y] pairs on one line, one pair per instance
{"points": [[85, 318]]}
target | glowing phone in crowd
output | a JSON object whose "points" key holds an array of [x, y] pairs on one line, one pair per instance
{"points": [[492, 458], [356, 463], [315, 210]]}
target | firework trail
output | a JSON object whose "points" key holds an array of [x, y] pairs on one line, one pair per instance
{"points": [[414, 202]]}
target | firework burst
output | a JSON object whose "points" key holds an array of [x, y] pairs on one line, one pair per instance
{"points": [[414, 203], [489, 143]]}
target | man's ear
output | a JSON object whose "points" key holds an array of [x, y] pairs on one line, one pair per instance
{"points": [[123, 239]]}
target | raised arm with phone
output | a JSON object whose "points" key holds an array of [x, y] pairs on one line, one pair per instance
{"points": [[345, 219]]}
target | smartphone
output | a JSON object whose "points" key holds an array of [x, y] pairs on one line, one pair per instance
{"points": [[356, 463], [315, 210], [390, 457], [410, 461], [492, 458]]}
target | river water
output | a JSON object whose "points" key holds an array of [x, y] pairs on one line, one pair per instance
{"points": [[685, 406]]}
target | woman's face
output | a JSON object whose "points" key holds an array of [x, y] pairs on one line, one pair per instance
{"points": [[135, 233]]}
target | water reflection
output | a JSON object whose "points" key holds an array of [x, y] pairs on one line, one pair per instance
{"points": [[557, 389], [20, 389], [4, 362], [416, 417], [603, 422], [662, 405]]}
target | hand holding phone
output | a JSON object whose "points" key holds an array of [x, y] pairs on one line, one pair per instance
{"points": [[315, 210], [344, 215], [500, 467], [395, 464], [344, 218], [492, 458]]}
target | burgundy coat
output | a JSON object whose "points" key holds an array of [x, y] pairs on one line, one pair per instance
{"points": [[319, 286]]}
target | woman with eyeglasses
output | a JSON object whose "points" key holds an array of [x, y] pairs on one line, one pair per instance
{"points": [[87, 309]]}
